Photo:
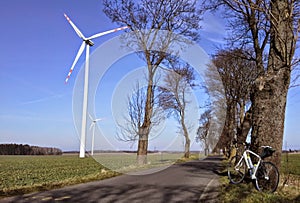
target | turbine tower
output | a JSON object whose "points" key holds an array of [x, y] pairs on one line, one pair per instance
{"points": [[87, 42], [92, 127]]}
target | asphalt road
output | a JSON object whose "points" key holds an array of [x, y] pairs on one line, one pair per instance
{"points": [[194, 181]]}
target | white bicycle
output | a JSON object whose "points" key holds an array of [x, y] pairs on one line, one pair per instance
{"points": [[264, 174]]}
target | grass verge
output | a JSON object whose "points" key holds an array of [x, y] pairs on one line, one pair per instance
{"points": [[288, 190]]}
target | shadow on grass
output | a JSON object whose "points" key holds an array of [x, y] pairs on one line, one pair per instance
{"points": [[245, 192]]}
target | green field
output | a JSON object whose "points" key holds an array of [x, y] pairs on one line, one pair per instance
{"points": [[291, 164], [23, 174], [126, 162]]}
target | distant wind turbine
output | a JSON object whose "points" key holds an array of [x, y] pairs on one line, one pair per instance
{"points": [[92, 127], [87, 42]]}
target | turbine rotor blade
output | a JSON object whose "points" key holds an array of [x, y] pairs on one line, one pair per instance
{"points": [[92, 125], [75, 61], [91, 117], [75, 28], [99, 119], [107, 32]]}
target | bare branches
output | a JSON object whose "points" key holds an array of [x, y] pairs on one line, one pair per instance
{"points": [[178, 82], [253, 22], [238, 72], [173, 97], [203, 130], [129, 129]]}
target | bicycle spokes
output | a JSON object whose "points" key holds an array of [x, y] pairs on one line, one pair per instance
{"points": [[267, 177], [236, 170]]}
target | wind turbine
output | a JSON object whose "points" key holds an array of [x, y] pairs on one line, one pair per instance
{"points": [[92, 127], [87, 42]]}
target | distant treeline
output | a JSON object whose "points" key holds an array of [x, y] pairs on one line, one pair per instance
{"points": [[19, 149]]}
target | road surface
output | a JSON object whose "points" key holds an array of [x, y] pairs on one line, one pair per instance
{"points": [[193, 181]]}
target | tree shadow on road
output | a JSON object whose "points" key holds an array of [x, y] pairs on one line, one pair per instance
{"points": [[137, 192], [210, 164], [122, 193]]}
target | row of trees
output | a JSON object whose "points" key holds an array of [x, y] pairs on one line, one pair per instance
{"points": [[19, 149], [255, 70], [238, 72], [266, 31]]}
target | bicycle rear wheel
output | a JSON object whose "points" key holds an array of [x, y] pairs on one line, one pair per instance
{"points": [[267, 177], [236, 170]]}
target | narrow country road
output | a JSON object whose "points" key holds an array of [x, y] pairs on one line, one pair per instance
{"points": [[193, 181]]}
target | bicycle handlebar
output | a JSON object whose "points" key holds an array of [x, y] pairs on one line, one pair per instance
{"points": [[266, 146]]}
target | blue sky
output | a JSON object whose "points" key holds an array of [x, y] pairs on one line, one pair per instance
{"points": [[37, 49]]}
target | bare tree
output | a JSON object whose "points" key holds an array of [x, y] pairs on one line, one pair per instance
{"points": [[203, 130], [217, 106], [146, 18], [270, 27], [238, 71], [173, 97], [129, 130]]}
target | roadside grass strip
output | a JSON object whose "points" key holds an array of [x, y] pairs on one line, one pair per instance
{"points": [[288, 190]]}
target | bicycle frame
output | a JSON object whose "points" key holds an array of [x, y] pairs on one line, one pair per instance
{"points": [[245, 156]]}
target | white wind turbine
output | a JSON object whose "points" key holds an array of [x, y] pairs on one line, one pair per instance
{"points": [[92, 127], [87, 42]]}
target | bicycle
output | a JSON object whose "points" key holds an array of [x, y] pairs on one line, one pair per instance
{"points": [[264, 174]]}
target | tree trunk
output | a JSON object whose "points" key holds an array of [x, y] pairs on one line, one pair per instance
{"points": [[187, 140], [269, 103], [184, 128], [187, 147], [228, 133], [270, 90], [142, 146], [243, 130], [145, 128]]}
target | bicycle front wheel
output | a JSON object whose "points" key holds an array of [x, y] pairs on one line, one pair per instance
{"points": [[267, 177], [236, 169]]}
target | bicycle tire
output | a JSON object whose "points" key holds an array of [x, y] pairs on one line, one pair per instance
{"points": [[267, 177], [236, 174]]}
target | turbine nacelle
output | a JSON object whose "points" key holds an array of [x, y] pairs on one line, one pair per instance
{"points": [[89, 42]]}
